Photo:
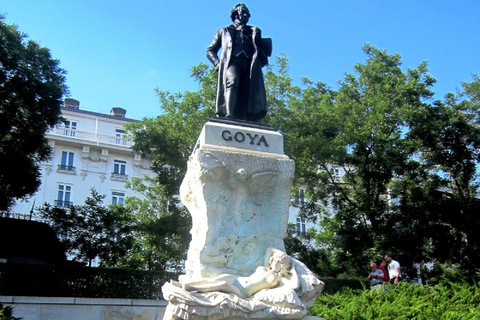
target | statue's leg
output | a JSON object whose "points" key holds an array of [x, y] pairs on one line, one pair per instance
{"points": [[231, 91], [220, 286], [243, 89]]}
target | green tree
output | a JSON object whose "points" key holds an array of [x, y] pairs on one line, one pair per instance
{"points": [[31, 89], [410, 183], [303, 115], [445, 186], [359, 130], [92, 230], [162, 231]]}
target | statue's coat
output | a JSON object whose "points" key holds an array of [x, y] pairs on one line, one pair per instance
{"points": [[257, 101]]}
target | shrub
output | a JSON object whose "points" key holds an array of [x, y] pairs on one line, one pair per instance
{"points": [[75, 281], [447, 300], [334, 285], [6, 313]]}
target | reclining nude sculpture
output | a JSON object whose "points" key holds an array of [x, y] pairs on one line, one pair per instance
{"points": [[282, 287], [279, 272]]}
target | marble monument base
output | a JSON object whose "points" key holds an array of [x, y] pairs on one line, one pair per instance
{"points": [[237, 189]]}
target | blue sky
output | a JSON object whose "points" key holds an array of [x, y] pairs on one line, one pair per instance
{"points": [[117, 52]]}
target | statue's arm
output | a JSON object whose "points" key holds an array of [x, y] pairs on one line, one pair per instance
{"points": [[213, 48], [294, 281], [262, 55]]}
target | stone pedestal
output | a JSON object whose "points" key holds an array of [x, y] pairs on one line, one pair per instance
{"points": [[237, 190]]}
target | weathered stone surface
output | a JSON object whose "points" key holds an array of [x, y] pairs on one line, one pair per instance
{"points": [[235, 199]]}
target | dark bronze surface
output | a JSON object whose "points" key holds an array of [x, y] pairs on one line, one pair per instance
{"points": [[241, 90]]}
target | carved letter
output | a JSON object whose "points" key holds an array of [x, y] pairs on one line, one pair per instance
{"points": [[239, 137], [262, 139], [252, 138], [227, 138]]}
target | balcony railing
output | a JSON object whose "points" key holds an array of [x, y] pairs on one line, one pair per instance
{"points": [[91, 136], [121, 176], [63, 167], [63, 204], [15, 215]]}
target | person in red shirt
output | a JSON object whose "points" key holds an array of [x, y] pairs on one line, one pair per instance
{"points": [[382, 266]]}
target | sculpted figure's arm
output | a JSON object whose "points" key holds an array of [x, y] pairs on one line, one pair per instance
{"points": [[212, 49], [294, 281]]}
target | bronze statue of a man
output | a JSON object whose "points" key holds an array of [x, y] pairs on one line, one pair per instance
{"points": [[241, 90]]}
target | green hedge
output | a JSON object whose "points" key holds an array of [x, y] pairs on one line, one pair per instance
{"points": [[79, 281], [334, 285], [74, 281], [446, 301]]}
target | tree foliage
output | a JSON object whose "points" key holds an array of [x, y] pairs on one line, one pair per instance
{"points": [[162, 232], [410, 165], [31, 89], [445, 187], [92, 230], [364, 140]]}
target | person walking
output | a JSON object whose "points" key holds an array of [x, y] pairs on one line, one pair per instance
{"points": [[393, 269], [383, 266]]}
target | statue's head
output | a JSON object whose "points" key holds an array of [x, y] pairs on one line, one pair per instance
{"points": [[241, 13], [249, 248], [284, 261]]}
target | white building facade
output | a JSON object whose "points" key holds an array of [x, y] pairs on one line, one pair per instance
{"points": [[90, 150], [302, 225]]}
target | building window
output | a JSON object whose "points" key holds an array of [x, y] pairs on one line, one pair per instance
{"points": [[120, 137], [335, 202], [70, 127], [66, 163], [300, 197], [301, 226], [119, 169], [63, 196], [169, 172], [336, 174], [118, 197]]}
